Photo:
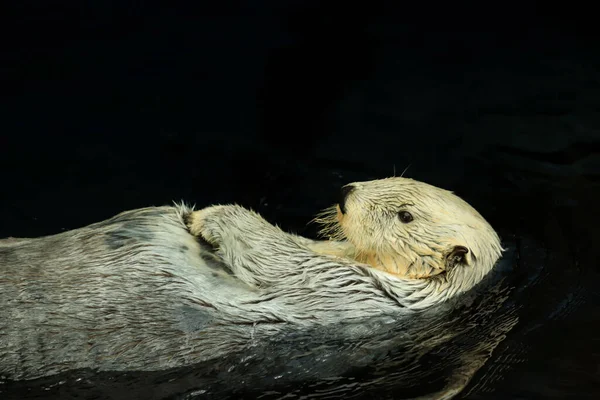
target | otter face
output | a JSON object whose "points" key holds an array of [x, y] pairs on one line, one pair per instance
{"points": [[410, 228]]}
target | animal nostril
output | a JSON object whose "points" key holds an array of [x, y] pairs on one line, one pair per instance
{"points": [[346, 190]]}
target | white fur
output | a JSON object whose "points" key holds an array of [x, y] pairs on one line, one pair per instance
{"points": [[140, 292], [264, 256]]}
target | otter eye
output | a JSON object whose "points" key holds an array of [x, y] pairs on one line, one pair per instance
{"points": [[405, 216]]}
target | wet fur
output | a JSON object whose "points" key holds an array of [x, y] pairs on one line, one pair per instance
{"points": [[445, 232], [139, 292], [446, 250], [164, 287]]}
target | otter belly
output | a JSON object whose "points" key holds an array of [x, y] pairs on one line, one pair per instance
{"points": [[134, 292]]}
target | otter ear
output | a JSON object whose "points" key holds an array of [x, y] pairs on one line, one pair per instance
{"points": [[458, 255]]}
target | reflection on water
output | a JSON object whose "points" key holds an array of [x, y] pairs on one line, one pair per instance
{"points": [[430, 355]]}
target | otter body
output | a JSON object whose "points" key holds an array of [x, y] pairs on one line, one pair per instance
{"points": [[165, 287], [132, 292], [139, 292]]}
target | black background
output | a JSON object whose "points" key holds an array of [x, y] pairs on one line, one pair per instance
{"points": [[108, 106]]}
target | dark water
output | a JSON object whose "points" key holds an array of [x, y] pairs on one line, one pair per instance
{"points": [[273, 106]]}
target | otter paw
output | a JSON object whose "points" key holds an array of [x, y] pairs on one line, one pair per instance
{"points": [[208, 223], [230, 223]]}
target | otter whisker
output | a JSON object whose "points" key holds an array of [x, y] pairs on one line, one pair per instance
{"points": [[405, 169], [330, 227]]}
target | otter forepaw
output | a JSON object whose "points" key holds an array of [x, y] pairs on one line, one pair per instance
{"points": [[207, 223], [217, 224]]}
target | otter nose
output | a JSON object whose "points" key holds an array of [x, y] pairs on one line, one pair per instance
{"points": [[346, 190]]}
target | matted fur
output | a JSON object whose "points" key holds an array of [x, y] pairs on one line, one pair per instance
{"points": [[368, 239], [420, 248], [140, 292]]}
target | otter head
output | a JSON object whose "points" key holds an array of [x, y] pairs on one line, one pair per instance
{"points": [[412, 229]]}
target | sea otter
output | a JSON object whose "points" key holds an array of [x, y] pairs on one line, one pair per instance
{"points": [[164, 287]]}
